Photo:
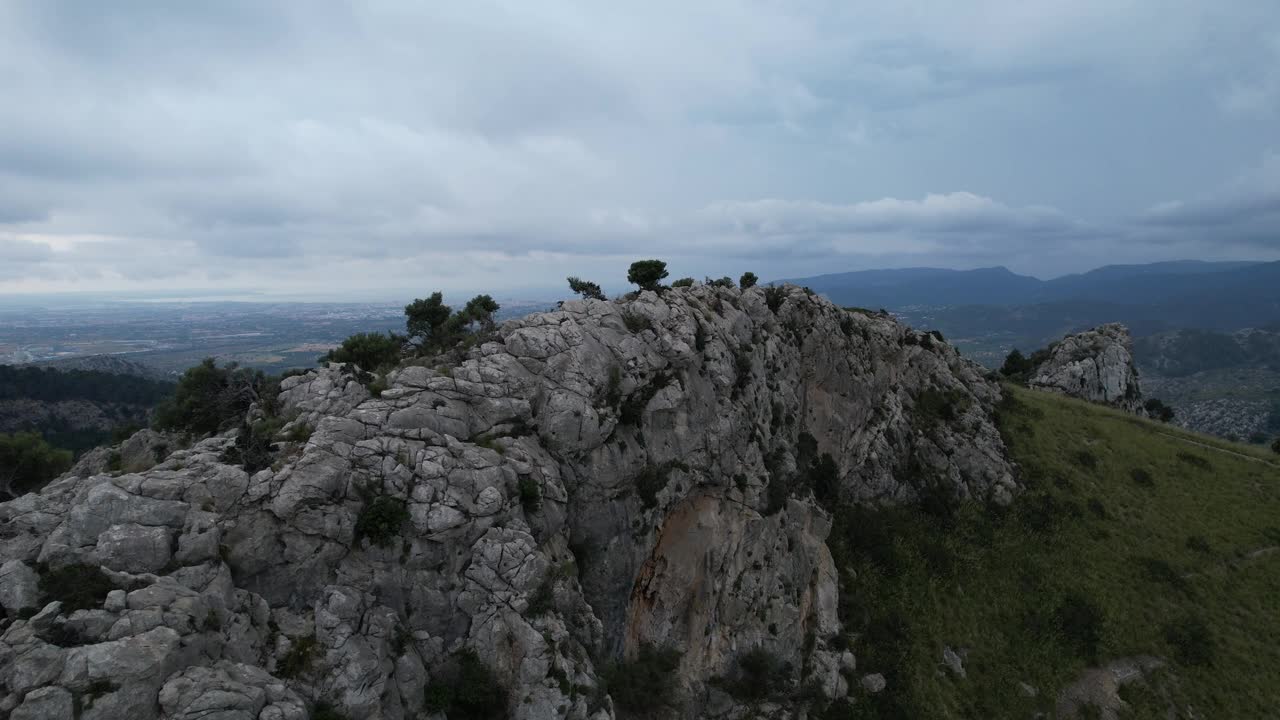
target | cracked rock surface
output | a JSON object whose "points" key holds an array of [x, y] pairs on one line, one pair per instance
{"points": [[585, 482], [1095, 365]]}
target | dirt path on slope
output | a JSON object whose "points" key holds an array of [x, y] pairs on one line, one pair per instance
{"points": [[1215, 448]]}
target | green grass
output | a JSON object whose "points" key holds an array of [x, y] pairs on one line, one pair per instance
{"points": [[1088, 565]]}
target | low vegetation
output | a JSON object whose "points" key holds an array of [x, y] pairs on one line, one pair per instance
{"points": [[645, 686], [587, 289], [210, 398], [297, 661], [1137, 551], [467, 690], [370, 351], [380, 519], [27, 463], [77, 586], [1018, 367]]}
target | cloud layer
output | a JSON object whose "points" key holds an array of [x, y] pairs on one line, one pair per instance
{"points": [[393, 146]]}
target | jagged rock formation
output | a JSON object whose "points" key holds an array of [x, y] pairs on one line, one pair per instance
{"points": [[658, 471], [1095, 365]]}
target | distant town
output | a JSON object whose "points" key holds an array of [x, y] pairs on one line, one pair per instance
{"points": [[172, 336]]}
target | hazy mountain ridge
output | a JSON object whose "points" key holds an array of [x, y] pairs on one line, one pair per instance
{"points": [[1176, 282]]}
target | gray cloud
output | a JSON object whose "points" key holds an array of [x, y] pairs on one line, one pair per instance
{"points": [[391, 145]]}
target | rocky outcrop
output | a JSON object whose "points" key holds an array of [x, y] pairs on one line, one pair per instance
{"points": [[141, 451], [654, 471], [1095, 365]]}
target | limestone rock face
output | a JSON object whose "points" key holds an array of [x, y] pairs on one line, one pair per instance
{"points": [[658, 470], [1095, 365]]}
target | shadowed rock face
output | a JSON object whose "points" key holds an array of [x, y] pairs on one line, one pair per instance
{"points": [[588, 481], [1095, 365]]}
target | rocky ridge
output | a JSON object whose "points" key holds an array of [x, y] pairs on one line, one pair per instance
{"points": [[587, 483], [1095, 365]]}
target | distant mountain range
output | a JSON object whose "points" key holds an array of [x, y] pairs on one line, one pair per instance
{"points": [[1150, 298], [1207, 334], [1130, 284]]}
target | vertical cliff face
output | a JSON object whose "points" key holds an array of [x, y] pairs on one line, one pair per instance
{"points": [[656, 471], [1095, 365]]}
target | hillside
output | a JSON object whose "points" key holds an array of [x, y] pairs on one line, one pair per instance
{"points": [[1144, 286], [75, 409], [110, 364], [1132, 539]]}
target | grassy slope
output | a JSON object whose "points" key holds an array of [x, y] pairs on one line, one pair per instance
{"points": [[1090, 564]]}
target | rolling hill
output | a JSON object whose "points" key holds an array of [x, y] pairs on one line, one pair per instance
{"points": [[1136, 546]]}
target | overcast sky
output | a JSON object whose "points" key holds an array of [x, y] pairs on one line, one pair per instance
{"points": [[386, 148]]}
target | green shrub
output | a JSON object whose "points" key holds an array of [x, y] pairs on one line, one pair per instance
{"points": [[27, 463], [683, 282], [543, 599], [435, 327], [613, 391], [647, 273], [1097, 508], [299, 433], [299, 659], [1275, 446], [325, 711], [77, 586], [748, 280], [633, 407], [1192, 640], [426, 320], [652, 479], [1199, 544], [759, 674], [824, 478], [742, 367], [370, 351], [97, 689], [588, 290], [724, 282], [1085, 459], [1044, 513], [1142, 477], [210, 398], [530, 494], [252, 448], [467, 690], [1016, 365], [1079, 622], [774, 297], [776, 493], [1161, 571], [1157, 410], [380, 520], [934, 406], [645, 686], [636, 322]]}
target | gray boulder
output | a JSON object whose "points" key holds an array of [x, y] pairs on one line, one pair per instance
{"points": [[19, 587], [1096, 365]]}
